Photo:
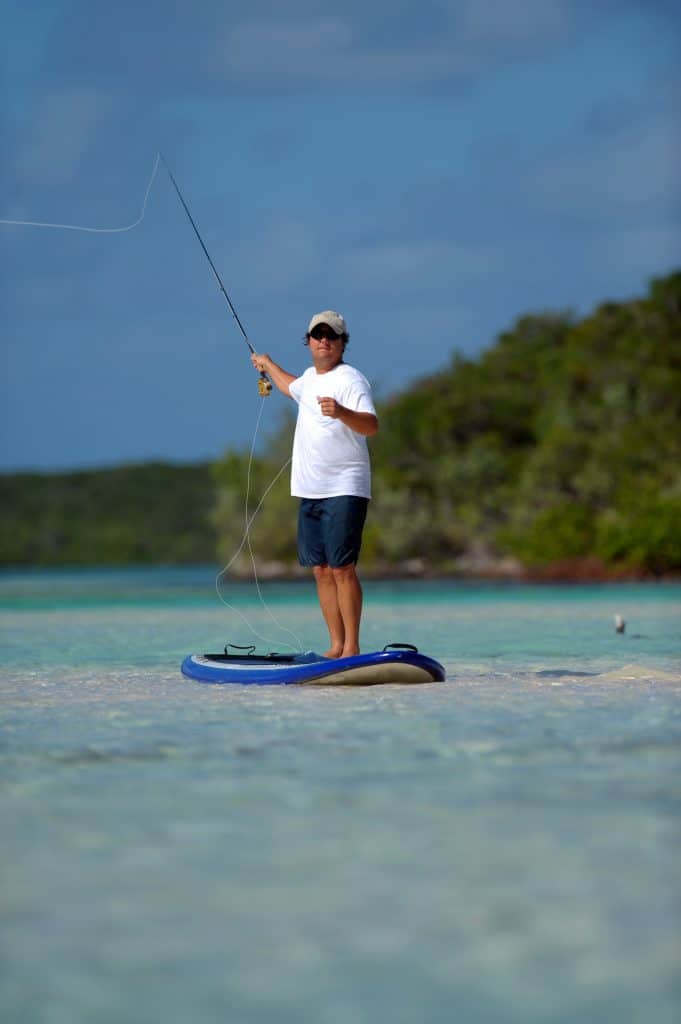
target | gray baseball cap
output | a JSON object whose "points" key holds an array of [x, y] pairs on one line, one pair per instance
{"points": [[330, 317]]}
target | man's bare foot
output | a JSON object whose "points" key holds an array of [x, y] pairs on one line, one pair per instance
{"points": [[333, 652], [349, 652]]}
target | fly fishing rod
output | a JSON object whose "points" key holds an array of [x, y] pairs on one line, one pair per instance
{"points": [[264, 383]]}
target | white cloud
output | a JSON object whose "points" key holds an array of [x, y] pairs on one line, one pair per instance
{"points": [[637, 166], [418, 266], [460, 41], [485, 21], [275, 47], [281, 256], [58, 134], [639, 252]]}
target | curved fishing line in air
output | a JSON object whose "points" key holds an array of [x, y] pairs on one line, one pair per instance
{"points": [[246, 539], [96, 231]]}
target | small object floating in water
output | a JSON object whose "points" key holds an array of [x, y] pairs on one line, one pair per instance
{"points": [[620, 624], [396, 663]]}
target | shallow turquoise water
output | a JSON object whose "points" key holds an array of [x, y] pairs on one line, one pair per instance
{"points": [[499, 847]]}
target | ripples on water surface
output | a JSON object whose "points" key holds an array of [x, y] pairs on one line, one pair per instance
{"points": [[499, 847]]}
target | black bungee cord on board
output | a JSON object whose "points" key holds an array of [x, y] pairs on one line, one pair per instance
{"points": [[264, 383]]}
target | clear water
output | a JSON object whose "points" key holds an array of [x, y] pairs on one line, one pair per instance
{"points": [[503, 846]]}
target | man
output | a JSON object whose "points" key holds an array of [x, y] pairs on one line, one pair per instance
{"points": [[330, 472]]}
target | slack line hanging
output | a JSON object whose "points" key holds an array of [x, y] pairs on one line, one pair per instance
{"points": [[264, 383]]}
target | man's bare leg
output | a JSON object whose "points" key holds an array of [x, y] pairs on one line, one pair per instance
{"points": [[349, 602], [328, 602]]}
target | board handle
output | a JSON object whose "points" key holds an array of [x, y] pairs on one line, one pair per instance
{"points": [[248, 648], [402, 647]]}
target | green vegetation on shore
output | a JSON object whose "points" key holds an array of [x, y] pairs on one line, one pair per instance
{"points": [[561, 443], [153, 513], [556, 450]]}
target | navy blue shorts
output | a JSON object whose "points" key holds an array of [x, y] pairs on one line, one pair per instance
{"points": [[330, 530]]}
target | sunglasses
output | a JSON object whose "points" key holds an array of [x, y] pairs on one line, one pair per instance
{"points": [[324, 331]]}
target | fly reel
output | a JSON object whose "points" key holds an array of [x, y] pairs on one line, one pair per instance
{"points": [[264, 386]]}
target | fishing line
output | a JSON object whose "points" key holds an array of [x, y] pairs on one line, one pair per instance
{"points": [[264, 388], [246, 539], [97, 231]]}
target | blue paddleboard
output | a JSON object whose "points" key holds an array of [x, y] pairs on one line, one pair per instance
{"points": [[396, 663]]}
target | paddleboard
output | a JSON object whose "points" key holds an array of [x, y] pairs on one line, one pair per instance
{"points": [[396, 663]]}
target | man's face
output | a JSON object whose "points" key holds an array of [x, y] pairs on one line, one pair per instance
{"points": [[326, 347]]}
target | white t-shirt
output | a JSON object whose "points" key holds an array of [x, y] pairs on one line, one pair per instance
{"points": [[330, 459]]}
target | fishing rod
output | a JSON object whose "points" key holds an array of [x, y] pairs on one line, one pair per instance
{"points": [[264, 383]]}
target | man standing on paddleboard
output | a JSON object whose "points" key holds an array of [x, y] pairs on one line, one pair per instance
{"points": [[330, 471]]}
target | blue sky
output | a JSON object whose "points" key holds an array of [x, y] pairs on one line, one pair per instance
{"points": [[433, 170]]}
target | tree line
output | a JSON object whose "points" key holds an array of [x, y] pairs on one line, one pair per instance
{"points": [[557, 450]]}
